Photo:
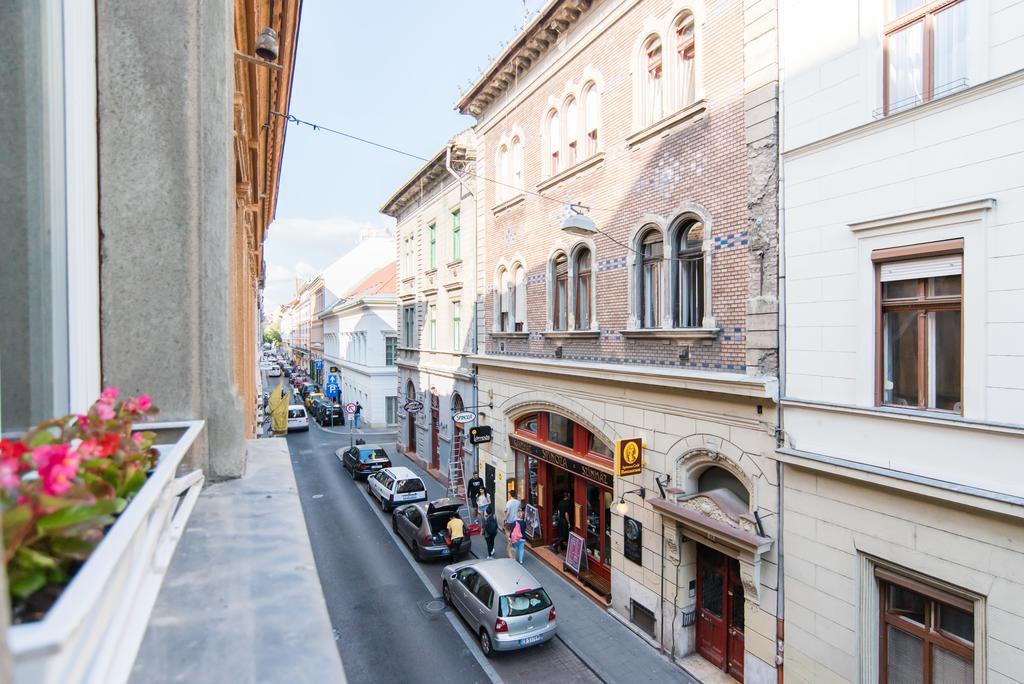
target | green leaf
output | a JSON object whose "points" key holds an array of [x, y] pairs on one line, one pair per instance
{"points": [[43, 437], [78, 515], [23, 583], [15, 518], [73, 547], [30, 558], [133, 483]]}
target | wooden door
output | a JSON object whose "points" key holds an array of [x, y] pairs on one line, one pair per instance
{"points": [[410, 445], [734, 624], [435, 418], [711, 605]]}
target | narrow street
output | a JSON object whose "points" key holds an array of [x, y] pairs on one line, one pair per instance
{"points": [[376, 593]]}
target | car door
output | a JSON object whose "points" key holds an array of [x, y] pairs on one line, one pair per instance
{"points": [[462, 590], [482, 604], [409, 523], [376, 483]]}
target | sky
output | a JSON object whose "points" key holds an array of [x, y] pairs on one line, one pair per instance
{"points": [[388, 71]]}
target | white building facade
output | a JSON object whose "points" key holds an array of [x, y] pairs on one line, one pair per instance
{"points": [[360, 341], [903, 406], [437, 300]]}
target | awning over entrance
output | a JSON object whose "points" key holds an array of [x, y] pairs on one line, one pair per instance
{"points": [[720, 520]]}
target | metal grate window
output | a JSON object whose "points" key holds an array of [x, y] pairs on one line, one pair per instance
{"points": [[642, 617]]}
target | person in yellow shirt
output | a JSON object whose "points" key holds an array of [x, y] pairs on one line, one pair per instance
{"points": [[456, 529]]}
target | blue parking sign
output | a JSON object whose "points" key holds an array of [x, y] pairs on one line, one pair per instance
{"points": [[319, 364], [331, 389]]}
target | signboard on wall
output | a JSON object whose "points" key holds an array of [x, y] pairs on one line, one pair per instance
{"points": [[633, 540], [479, 434], [629, 456], [574, 552]]}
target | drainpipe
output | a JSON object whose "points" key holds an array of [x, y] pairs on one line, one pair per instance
{"points": [[780, 605]]}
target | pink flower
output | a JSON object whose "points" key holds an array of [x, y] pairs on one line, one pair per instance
{"points": [[83, 422], [57, 465], [103, 410], [144, 403], [109, 395]]}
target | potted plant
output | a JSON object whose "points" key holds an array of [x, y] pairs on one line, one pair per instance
{"points": [[90, 519]]}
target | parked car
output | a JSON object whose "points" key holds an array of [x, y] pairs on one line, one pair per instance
{"points": [[504, 605], [423, 526], [312, 397], [396, 486], [308, 388], [274, 372], [320, 408], [333, 415], [297, 418], [287, 372], [363, 460]]}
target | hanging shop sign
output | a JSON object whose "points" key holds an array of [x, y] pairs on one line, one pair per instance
{"points": [[464, 417], [413, 406], [597, 475], [633, 540], [480, 434], [629, 456]]}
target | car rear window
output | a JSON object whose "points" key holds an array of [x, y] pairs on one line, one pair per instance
{"points": [[367, 454], [523, 603], [296, 413], [407, 486]]}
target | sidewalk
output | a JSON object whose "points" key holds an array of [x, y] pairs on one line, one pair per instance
{"points": [[242, 600], [612, 651]]}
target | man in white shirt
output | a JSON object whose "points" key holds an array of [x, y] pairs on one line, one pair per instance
{"points": [[511, 511]]}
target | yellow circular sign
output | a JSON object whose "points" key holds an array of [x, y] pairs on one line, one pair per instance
{"points": [[630, 452]]}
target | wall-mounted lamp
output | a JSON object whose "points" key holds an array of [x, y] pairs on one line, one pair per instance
{"points": [[577, 223], [267, 49], [622, 507]]}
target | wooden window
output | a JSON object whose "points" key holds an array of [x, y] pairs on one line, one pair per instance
{"points": [[457, 325], [560, 312], [688, 300], [919, 345], [926, 634], [456, 235], [651, 257], [925, 51], [528, 424], [686, 91], [433, 326], [571, 135], [505, 295], [653, 109], [591, 119], [554, 142], [582, 289]]}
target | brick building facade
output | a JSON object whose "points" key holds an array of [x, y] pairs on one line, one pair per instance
{"points": [[659, 119]]}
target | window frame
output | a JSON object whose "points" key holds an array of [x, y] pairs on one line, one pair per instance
{"points": [[456, 306], [456, 235], [579, 277], [572, 131], [923, 304], [925, 14], [653, 84], [591, 119], [560, 294], [432, 234], [432, 325], [655, 292], [683, 46], [554, 142], [682, 251], [390, 350]]}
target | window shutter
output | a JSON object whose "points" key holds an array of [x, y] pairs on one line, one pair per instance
{"points": [[933, 267]]}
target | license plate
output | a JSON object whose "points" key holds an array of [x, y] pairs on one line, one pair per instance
{"points": [[376, 467], [531, 640]]}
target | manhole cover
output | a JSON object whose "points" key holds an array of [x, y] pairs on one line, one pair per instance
{"points": [[433, 606]]}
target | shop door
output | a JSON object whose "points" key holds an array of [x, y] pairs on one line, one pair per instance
{"points": [[410, 445], [720, 611], [435, 418], [489, 481]]}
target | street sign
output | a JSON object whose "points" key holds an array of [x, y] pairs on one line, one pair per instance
{"points": [[413, 406], [629, 454], [319, 364], [332, 390], [350, 408], [480, 434], [464, 417], [332, 379]]}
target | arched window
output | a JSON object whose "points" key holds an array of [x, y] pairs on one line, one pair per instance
{"points": [[517, 166], [500, 171], [504, 295], [571, 131], [519, 298], [583, 289], [591, 118], [410, 390], [560, 303], [554, 142], [653, 81], [688, 276], [720, 478], [685, 60], [652, 253]]}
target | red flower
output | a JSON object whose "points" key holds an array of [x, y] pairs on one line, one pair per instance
{"points": [[144, 403], [57, 465]]}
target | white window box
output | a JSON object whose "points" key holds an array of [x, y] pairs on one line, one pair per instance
{"points": [[94, 630]]}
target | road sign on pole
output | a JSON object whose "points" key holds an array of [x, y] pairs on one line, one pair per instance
{"points": [[350, 408]]}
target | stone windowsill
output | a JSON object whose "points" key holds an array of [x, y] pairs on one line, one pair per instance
{"points": [[430, 271], [592, 160], [571, 334], [453, 263], [510, 335], [509, 203], [693, 112], [672, 333]]}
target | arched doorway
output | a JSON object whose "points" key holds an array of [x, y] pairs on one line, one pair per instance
{"points": [[435, 420], [410, 419]]}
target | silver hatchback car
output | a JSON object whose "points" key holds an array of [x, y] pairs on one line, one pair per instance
{"points": [[503, 603]]}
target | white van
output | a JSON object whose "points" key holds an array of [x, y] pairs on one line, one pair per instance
{"points": [[297, 418], [396, 486]]}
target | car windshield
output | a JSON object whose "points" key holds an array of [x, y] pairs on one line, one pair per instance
{"points": [[367, 454], [296, 413], [406, 486], [524, 602]]}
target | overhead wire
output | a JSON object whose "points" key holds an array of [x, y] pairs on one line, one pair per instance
{"points": [[574, 206]]}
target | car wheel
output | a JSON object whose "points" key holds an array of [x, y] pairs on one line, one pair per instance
{"points": [[394, 523], [383, 505], [416, 552], [352, 473], [485, 643], [446, 594]]}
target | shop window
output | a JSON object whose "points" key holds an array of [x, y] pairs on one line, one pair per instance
{"points": [[925, 51], [560, 430], [927, 634], [598, 447], [919, 336], [528, 424]]}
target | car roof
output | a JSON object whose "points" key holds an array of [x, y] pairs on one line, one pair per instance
{"points": [[400, 472], [296, 406], [506, 575], [370, 446]]}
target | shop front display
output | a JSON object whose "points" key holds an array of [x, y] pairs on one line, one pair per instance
{"points": [[556, 457]]}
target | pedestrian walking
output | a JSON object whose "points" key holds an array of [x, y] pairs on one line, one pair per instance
{"points": [[511, 511], [473, 487], [564, 524], [518, 536], [358, 417], [483, 502], [490, 532]]}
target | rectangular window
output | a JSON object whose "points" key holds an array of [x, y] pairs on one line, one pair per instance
{"points": [[456, 236], [390, 350], [391, 410], [560, 430], [457, 326], [925, 51], [926, 634], [432, 232], [409, 326], [920, 329], [432, 320]]}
